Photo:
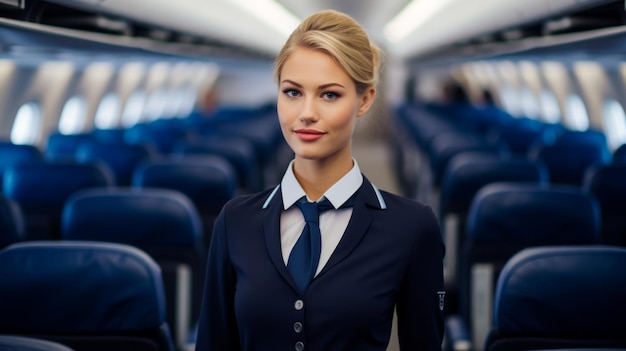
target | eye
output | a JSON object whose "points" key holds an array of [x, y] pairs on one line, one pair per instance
{"points": [[291, 92], [329, 95]]}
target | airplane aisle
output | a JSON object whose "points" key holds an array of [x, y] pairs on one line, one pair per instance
{"points": [[372, 151]]}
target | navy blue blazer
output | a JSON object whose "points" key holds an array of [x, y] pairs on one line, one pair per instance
{"points": [[391, 255]]}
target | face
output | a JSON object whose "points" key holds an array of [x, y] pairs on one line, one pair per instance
{"points": [[318, 106]]}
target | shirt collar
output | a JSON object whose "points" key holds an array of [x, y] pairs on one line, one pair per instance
{"points": [[337, 194]]}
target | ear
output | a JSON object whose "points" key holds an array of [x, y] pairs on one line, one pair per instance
{"points": [[367, 99]]}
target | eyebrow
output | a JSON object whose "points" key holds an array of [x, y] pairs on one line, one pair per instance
{"points": [[321, 87]]}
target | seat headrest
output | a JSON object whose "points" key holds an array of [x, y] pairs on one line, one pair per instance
{"points": [[21, 343], [120, 158], [12, 225], [52, 182], [139, 217], [79, 287], [528, 214], [11, 154], [606, 183], [468, 172], [568, 291], [209, 181]]}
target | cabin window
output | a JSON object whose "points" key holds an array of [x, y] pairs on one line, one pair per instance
{"points": [[185, 101], [73, 116], [576, 113], [27, 124], [155, 105], [530, 105], [510, 101], [614, 123], [106, 114], [133, 109], [550, 110]]}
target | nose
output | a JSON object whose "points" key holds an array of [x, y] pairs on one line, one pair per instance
{"points": [[308, 113]]}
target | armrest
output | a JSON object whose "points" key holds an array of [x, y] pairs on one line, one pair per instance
{"points": [[457, 334]]}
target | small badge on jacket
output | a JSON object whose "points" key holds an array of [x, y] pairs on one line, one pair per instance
{"points": [[442, 295]]}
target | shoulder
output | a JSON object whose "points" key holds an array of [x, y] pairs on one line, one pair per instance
{"points": [[248, 202], [400, 204], [409, 212]]}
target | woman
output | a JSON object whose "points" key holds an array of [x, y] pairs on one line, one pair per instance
{"points": [[378, 251]]}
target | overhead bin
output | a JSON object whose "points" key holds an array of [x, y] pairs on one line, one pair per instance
{"points": [[458, 21]]}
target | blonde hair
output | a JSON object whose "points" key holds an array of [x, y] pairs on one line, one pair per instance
{"points": [[341, 37]]}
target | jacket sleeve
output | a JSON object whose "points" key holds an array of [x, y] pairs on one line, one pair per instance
{"points": [[420, 318], [217, 327]]}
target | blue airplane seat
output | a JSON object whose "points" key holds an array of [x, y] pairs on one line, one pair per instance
{"points": [[208, 180], [445, 146], [163, 223], [90, 296], [62, 147], [608, 184], [465, 175], [22, 343], [619, 155], [238, 151], [505, 218], [121, 158], [560, 298], [589, 136], [567, 162], [11, 154], [262, 129], [12, 225], [109, 135], [161, 139], [41, 188], [519, 134]]}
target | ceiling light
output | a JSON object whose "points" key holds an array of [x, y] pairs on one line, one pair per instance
{"points": [[270, 13], [412, 16]]}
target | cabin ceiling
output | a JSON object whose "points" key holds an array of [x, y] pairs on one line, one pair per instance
{"points": [[230, 29], [372, 14]]}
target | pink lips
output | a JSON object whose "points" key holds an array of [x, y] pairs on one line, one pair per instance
{"points": [[309, 134]]}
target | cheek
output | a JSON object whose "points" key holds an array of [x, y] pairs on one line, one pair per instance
{"points": [[344, 117]]}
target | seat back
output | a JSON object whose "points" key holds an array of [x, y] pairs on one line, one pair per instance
{"points": [[42, 188], [119, 157], [619, 155], [607, 184], [11, 222], [87, 295], [161, 222], [62, 147], [11, 154], [560, 297], [464, 176], [209, 181], [568, 162], [21, 343], [237, 150], [505, 218]]}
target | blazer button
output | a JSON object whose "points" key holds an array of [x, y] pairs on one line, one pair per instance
{"points": [[298, 305], [297, 327], [299, 346]]}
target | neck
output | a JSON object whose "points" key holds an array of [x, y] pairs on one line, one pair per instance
{"points": [[317, 176]]}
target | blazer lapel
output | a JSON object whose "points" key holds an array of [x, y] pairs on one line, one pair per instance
{"points": [[271, 229], [365, 206]]}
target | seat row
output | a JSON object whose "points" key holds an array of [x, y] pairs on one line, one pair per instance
{"points": [[103, 296], [86, 296], [160, 222], [562, 188]]}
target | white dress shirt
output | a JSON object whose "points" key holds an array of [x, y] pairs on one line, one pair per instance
{"points": [[332, 223]]}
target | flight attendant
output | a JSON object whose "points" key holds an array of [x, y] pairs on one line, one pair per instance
{"points": [[320, 261]]}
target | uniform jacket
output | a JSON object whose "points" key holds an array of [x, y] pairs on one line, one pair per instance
{"points": [[389, 256]]}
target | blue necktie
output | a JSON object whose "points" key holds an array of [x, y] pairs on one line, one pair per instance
{"points": [[305, 255]]}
